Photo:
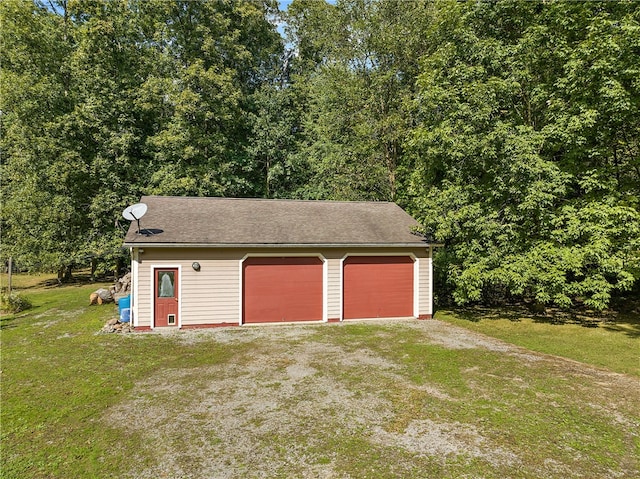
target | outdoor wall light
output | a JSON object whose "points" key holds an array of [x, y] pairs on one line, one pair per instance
{"points": [[196, 266]]}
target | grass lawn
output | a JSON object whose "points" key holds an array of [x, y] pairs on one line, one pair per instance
{"points": [[613, 344], [21, 282], [373, 399]]}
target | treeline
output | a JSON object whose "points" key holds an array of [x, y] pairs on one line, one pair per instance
{"points": [[510, 129]]}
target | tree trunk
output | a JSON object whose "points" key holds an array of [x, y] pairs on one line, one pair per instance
{"points": [[118, 268], [9, 273], [68, 274], [94, 266], [64, 274]]}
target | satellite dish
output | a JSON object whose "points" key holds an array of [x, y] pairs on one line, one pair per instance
{"points": [[135, 212]]}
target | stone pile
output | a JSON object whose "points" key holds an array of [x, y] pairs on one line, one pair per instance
{"points": [[115, 326], [121, 287]]}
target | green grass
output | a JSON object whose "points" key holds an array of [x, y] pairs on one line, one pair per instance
{"points": [[612, 344], [21, 281], [60, 379], [517, 402], [59, 376]]}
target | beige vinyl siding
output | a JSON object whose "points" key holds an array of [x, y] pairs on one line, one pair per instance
{"points": [[142, 309], [208, 296], [424, 293], [334, 287], [213, 294]]}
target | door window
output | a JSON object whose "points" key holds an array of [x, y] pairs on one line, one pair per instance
{"points": [[166, 282]]}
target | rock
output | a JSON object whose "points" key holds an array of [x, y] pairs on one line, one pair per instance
{"points": [[111, 322], [118, 296], [100, 296], [105, 295]]}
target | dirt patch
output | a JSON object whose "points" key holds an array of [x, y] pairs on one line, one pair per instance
{"points": [[232, 334], [453, 337], [61, 316], [443, 440]]}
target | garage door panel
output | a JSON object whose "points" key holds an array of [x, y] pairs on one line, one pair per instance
{"points": [[282, 289], [377, 287]]}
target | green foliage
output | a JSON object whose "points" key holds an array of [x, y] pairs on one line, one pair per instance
{"points": [[357, 63], [526, 163], [105, 101], [277, 170], [14, 303]]}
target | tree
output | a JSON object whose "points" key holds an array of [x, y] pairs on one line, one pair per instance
{"points": [[357, 62], [275, 138], [105, 101], [510, 129], [521, 168], [214, 56], [41, 220]]}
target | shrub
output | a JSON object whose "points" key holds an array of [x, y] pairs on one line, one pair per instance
{"points": [[14, 303]]}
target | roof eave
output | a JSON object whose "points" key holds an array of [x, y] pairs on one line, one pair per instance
{"points": [[280, 245]]}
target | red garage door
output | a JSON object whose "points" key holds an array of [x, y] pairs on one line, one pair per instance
{"points": [[378, 287], [282, 289]]}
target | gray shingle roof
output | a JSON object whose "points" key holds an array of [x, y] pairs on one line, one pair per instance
{"points": [[238, 221]]}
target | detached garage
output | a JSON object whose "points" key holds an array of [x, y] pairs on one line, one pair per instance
{"points": [[201, 262]]}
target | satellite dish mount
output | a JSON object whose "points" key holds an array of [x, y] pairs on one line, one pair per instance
{"points": [[135, 212]]}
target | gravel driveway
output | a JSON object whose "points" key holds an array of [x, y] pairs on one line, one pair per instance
{"points": [[288, 405]]}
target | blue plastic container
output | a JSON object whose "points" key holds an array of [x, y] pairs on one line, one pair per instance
{"points": [[124, 302], [125, 315]]}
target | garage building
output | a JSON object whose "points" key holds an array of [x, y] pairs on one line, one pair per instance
{"points": [[200, 262]]}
